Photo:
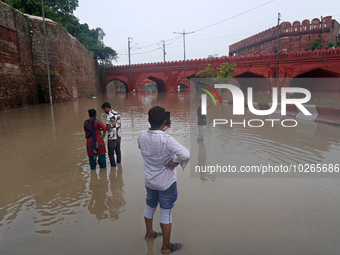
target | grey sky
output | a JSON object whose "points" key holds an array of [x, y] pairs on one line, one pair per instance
{"points": [[149, 22]]}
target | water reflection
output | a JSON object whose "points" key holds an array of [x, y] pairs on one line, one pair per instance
{"points": [[202, 161], [107, 199], [48, 194], [149, 246], [98, 187]]}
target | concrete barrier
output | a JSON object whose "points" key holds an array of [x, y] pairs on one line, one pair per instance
{"points": [[291, 110], [312, 109], [328, 114]]}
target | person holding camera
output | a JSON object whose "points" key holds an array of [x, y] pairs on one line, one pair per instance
{"points": [[161, 154]]}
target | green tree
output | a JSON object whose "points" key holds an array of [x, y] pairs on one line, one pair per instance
{"points": [[61, 11], [223, 74], [213, 56], [316, 45], [225, 70], [57, 10]]}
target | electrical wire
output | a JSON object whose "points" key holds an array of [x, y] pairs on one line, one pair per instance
{"points": [[234, 16], [198, 30], [172, 41]]}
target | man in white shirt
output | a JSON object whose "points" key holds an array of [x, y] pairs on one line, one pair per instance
{"points": [[113, 126], [161, 154]]}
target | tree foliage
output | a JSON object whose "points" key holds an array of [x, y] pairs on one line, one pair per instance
{"points": [[225, 70], [318, 45], [214, 56], [61, 11], [223, 74], [57, 10]]}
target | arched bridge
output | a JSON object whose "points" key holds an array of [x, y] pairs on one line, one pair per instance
{"points": [[318, 63]]}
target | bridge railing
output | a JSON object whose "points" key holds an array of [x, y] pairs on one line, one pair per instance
{"points": [[238, 59]]}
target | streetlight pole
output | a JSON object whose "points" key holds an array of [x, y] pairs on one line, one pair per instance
{"points": [[129, 48], [185, 77], [47, 64], [163, 50], [278, 45], [320, 31]]}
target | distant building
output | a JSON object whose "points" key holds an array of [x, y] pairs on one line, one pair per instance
{"points": [[292, 37]]}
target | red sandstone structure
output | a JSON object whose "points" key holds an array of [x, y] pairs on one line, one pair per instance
{"points": [[255, 57], [23, 75], [292, 37], [318, 63], [23, 65]]}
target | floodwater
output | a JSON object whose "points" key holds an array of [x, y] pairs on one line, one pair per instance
{"points": [[52, 203]]}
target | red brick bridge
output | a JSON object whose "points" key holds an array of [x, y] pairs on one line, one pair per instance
{"points": [[304, 64]]}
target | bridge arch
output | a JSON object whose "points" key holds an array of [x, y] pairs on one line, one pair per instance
{"points": [[249, 74], [318, 73], [116, 84], [185, 84], [315, 80], [146, 79], [159, 82], [257, 82]]}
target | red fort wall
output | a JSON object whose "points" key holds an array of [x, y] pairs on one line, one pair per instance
{"points": [[23, 79], [293, 37]]}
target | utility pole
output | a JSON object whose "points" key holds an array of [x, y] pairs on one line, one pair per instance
{"points": [[278, 46], [320, 31], [129, 48], [47, 64], [163, 50], [185, 77]]}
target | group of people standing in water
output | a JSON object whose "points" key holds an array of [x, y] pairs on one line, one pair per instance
{"points": [[95, 132], [161, 155]]}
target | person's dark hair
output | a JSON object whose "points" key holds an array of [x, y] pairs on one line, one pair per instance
{"points": [[156, 116], [92, 113], [106, 104]]}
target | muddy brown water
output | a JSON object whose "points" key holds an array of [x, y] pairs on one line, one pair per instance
{"points": [[52, 203]]}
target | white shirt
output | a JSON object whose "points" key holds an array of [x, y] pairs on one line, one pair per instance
{"points": [[113, 119], [158, 148]]}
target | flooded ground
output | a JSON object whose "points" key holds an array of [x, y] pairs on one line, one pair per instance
{"points": [[52, 203]]}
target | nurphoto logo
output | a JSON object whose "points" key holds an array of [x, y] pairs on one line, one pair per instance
{"points": [[239, 105]]}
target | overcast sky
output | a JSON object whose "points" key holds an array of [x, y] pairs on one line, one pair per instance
{"points": [[216, 24]]}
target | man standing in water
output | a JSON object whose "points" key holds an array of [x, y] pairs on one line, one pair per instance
{"points": [[161, 154], [113, 126]]}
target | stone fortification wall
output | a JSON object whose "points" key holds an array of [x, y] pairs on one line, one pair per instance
{"points": [[23, 72], [293, 37]]}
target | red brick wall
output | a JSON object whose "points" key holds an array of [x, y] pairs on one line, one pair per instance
{"points": [[293, 37], [23, 79], [8, 45]]}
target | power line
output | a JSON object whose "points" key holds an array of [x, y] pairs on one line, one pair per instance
{"points": [[145, 52], [183, 34], [153, 44], [234, 16], [139, 53]]}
